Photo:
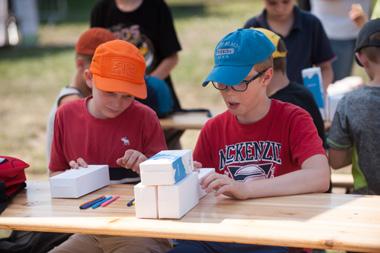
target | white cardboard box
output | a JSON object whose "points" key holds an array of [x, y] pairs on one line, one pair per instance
{"points": [[146, 201], [174, 201], [166, 167], [75, 183], [312, 80], [203, 172]]}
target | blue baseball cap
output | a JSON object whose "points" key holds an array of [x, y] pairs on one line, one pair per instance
{"points": [[236, 54]]}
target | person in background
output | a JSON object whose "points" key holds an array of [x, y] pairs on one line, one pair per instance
{"points": [[355, 130], [304, 37], [148, 24], [84, 50], [282, 89], [342, 20]]}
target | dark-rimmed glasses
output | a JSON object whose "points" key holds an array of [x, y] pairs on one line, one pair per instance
{"points": [[241, 87]]}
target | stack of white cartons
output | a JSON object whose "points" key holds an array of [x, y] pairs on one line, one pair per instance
{"points": [[169, 187]]}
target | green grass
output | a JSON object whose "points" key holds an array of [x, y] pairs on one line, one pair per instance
{"points": [[32, 77]]}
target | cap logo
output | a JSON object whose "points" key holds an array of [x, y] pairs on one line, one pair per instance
{"points": [[225, 51], [121, 68]]}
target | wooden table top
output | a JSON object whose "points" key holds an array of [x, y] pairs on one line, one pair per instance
{"points": [[330, 221]]}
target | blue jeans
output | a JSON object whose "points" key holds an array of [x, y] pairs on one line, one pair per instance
{"points": [[218, 247], [344, 51]]}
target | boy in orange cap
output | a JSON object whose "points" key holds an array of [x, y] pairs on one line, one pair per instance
{"points": [[109, 127], [84, 51]]}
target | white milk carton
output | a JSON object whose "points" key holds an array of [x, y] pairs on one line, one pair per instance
{"points": [[337, 90], [174, 201], [312, 79], [166, 167], [202, 173], [146, 201], [75, 183]]}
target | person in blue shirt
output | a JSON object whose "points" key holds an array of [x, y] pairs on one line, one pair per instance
{"points": [[304, 36]]}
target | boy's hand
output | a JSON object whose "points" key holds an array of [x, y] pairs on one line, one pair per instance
{"points": [[222, 184], [197, 165], [75, 164], [131, 160]]}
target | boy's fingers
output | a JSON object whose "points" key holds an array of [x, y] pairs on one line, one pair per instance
{"points": [[119, 161], [225, 189], [216, 184], [208, 179], [73, 164], [197, 165], [82, 162], [132, 160], [141, 159]]}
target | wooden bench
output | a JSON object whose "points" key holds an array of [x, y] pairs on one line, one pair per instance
{"points": [[345, 181]]}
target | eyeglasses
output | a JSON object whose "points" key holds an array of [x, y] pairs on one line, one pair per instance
{"points": [[241, 87]]}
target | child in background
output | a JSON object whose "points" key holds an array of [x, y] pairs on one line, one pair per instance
{"points": [[355, 131], [304, 37], [148, 24], [84, 50]]}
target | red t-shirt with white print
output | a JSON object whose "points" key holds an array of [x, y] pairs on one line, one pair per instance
{"points": [[102, 141], [275, 145]]}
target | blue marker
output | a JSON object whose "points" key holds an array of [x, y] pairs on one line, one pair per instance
{"points": [[91, 202], [97, 204]]}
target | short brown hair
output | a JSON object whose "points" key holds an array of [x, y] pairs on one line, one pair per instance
{"points": [[279, 63], [268, 63], [372, 53]]}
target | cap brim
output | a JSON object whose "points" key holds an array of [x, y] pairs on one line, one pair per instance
{"points": [[228, 75], [114, 85]]}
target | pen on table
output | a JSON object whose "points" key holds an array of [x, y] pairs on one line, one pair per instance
{"points": [[97, 204], [131, 202], [109, 201], [91, 202]]}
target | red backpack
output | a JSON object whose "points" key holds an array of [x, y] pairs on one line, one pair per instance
{"points": [[12, 178]]}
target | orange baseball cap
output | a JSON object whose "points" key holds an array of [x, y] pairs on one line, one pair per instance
{"points": [[118, 66], [91, 39]]}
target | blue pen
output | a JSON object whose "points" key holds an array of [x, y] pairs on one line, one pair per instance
{"points": [[97, 204], [90, 203]]}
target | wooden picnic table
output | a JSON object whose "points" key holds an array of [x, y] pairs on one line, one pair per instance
{"points": [[329, 221]]}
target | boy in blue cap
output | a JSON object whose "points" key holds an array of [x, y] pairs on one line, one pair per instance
{"points": [[259, 147]]}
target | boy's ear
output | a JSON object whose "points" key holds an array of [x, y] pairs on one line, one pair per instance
{"points": [[88, 77], [361, 59], [267, 76]]}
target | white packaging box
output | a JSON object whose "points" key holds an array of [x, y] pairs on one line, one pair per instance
{"points": [[312, 80], [203, 172], [166, 167], [174, 201], [146, 201], [75, 183]]}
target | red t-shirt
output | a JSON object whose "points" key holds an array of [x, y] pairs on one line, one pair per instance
{"points": [[102, 141], [277, 144]]}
